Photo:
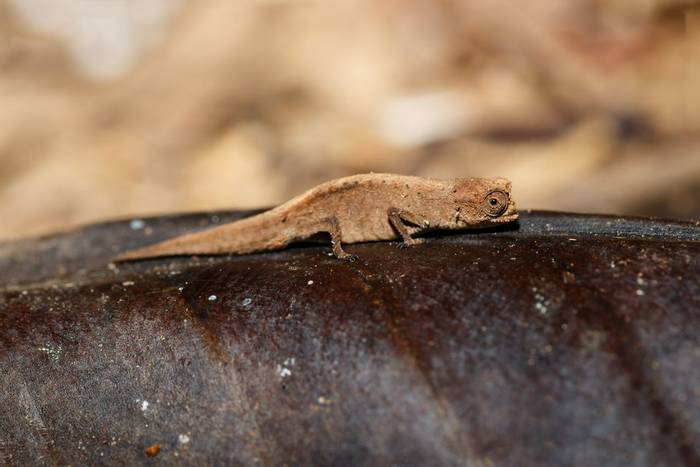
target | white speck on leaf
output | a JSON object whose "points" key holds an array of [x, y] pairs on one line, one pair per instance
{"points": [[541, 303], [137, 224], [53, 352], [283, 370], [144, 404]]}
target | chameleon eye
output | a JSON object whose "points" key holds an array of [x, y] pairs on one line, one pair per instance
{"points": [[495, 203]]}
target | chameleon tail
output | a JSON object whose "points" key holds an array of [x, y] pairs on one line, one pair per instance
{"points": [[256, 233]]}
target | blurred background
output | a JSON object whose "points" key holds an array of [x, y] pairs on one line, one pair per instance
{"points": [[113, 108]]}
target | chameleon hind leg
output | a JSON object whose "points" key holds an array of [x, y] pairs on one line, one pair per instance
{"points": [[333, 228]]}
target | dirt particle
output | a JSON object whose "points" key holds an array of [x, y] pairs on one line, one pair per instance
{"points": [[568, 277], [592, 339], [153, 450]]}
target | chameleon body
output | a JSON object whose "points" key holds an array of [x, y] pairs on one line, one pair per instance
{"points": [[359, 208]]}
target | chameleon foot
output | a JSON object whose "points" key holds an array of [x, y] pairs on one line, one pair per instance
{"points": [[411, 242]]}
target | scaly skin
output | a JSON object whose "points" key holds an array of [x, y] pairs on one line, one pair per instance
{"points": [[360, 208]]}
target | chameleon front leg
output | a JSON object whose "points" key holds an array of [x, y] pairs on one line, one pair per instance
{"points": [[398, 219], [337, 241]]}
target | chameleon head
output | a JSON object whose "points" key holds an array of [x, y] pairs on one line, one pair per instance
{"points": [[483, 202]]}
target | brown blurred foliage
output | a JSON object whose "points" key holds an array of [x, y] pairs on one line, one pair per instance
{"points": [[587, 105]]}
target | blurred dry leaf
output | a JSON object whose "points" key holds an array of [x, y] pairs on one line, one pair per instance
{"points": [[586, 105]]}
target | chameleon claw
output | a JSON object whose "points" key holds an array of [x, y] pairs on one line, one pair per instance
{"points": [[414, 241]]}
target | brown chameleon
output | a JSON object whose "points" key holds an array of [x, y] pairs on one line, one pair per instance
{"points": [[359, 208]]}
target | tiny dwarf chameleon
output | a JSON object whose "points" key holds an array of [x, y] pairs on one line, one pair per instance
{"points": [[359, 208]]}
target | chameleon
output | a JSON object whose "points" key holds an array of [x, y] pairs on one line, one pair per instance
{"points": [[359, 208]]}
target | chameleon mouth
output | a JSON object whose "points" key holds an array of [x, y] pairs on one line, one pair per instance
{"points": [[510, 215], [507, 218]]}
